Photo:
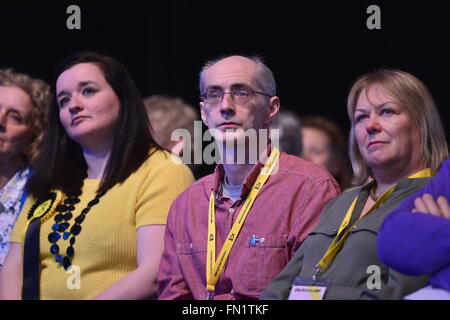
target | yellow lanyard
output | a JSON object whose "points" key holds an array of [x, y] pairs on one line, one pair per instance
{"points": [[214, 267], [336, 245]]}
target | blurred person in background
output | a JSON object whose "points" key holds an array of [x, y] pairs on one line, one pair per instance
{"points": [[24, 104], [325, 145], [289, 132], [167, 114]]}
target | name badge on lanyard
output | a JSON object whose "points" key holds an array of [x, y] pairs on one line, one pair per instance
{"points": [[314, 288], [215, 266], [308, 289]]}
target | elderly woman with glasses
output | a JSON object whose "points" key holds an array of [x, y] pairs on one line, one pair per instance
{"points": [[397, 143], [24, 103]]}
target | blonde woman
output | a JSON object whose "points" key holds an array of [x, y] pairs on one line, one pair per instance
{"points": [[398, 141]]}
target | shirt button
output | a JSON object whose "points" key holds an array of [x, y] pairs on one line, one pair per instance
{"points": [[231, 210]]}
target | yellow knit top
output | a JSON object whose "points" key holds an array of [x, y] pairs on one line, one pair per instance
{"points": [[105, 249]]}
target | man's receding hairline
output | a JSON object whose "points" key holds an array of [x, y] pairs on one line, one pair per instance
{"points": [[255, 64], [241, 58]]}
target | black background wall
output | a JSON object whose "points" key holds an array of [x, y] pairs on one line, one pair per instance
{"points": [[315, 49]]}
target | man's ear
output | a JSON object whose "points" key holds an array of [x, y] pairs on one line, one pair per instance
{"points": [[203, 113], [274, 108]]}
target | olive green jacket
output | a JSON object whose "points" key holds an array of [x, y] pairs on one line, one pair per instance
{"points": [[354, 271]]}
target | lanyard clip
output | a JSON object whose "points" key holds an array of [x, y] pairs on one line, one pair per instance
{"points": [[209, 295], [316, 272]]}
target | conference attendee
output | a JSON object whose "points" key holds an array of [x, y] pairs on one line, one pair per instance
{"points": [[99, 194], [397, 140], [325, 145], [415, 238], [231, 232], [168, 114], [24, 103], [288, 128]]}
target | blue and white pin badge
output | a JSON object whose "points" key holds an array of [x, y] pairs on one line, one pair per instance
{"points": [[254, 240]]}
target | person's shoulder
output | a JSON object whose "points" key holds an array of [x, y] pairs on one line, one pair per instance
{"points": [[160, 158], [196, 196], [443, 173], [199, 189], [347, 195], [204, 183], [446, 165], [334, 208], [299, 167], [161, 164]]}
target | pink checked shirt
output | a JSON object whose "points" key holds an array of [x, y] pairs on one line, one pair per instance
{"points": [[286, 209]]}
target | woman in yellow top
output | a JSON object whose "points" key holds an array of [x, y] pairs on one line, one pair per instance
{"points": [[100, 193]]}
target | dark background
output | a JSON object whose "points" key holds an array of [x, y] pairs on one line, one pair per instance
{"points": [[316, 49]]}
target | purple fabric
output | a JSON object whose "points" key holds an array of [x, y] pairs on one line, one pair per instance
{"points": [[285, 211], [415, 243]]}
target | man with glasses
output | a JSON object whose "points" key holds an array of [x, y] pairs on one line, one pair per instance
{"points": [[230, 233]]}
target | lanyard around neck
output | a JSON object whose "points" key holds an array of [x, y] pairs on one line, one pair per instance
{"points": [[214, 267], [337, 245]]}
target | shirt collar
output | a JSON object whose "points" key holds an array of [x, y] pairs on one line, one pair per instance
{"points": [[12, 191], [249, 180], [401, 183]]}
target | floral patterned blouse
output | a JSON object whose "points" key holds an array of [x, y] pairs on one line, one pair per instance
{"points": [[11, 200]]}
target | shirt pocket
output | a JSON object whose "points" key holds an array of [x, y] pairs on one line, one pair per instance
{"points": [[315, 246], [189, 247], [366, 225], [261, 263], [328, 229], [192, 257]]}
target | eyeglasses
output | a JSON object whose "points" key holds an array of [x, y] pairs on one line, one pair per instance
{"points": [[239, 95]]}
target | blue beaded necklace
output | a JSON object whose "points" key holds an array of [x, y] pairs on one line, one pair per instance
{"points": [[61, 226]]}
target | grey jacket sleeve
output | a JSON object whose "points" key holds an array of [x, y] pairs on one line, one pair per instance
{"points": [[397, 286]]}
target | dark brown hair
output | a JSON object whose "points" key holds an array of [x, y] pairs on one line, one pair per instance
{"points": [[338, 147], [61, 164]]}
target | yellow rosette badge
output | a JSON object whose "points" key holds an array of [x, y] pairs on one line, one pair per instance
{"points": [[47, 207], [42, 209]]}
